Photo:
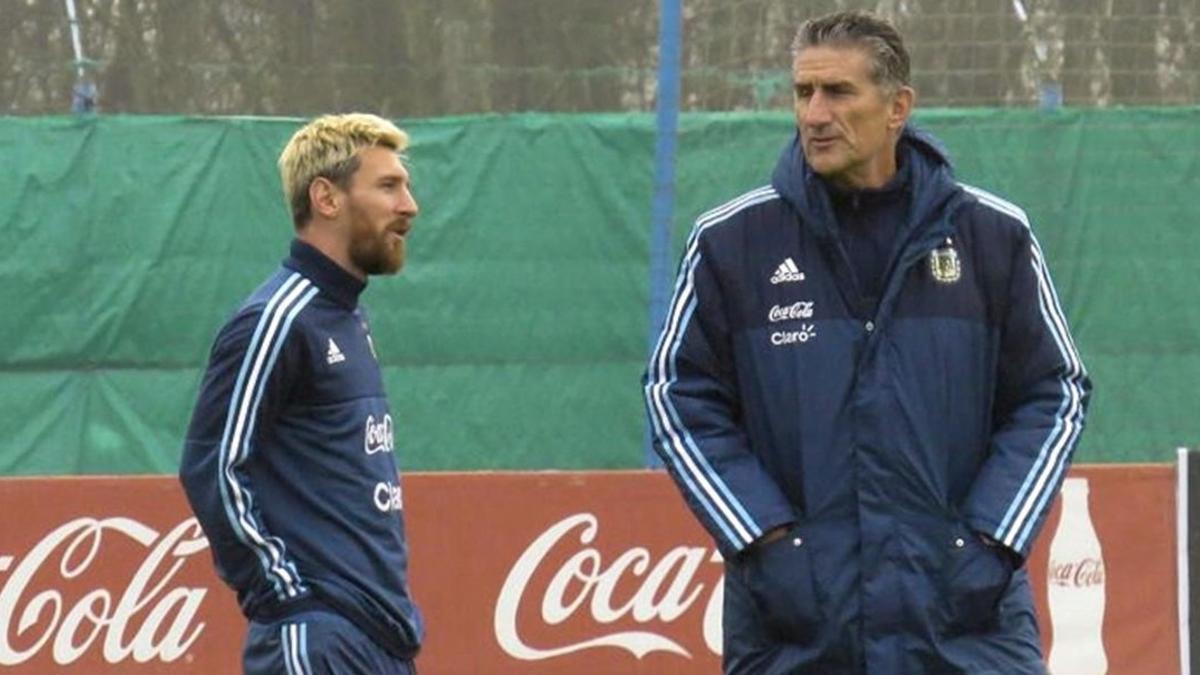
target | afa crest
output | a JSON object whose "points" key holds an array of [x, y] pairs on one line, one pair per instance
{"points": [[944, 264]]}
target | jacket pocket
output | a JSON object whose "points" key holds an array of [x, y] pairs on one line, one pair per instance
{"points": [[781, 580], [974, 579]]}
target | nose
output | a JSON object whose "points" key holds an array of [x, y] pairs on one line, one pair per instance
{"points": [[815, 111], [407, 205]]}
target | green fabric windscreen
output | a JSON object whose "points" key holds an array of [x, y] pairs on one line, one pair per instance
{"points": [[516, 336]]}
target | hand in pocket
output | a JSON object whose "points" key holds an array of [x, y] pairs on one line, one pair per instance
{"points": [[780, 577], [976, 577]]}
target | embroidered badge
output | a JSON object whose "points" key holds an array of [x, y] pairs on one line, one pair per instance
{"points": [[944, 263]]}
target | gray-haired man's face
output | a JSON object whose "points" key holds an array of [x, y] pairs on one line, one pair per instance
{"points": [[848, 124]]}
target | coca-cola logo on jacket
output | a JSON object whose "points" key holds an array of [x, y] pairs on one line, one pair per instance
{"points": [[584, 586], [145, 616]]}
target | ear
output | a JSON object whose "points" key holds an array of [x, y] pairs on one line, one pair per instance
{"points": [[901, 107], [325, 197]]}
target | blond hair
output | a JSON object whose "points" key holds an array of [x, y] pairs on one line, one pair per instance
{"points": [[328, 147]]}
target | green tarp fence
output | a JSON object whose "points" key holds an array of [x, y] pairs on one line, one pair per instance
{"points": [[516, 336]]}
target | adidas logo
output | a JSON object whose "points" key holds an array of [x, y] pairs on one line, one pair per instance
{"points": [[787, 272], [333, 354]]}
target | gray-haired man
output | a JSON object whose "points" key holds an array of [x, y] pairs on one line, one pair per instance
{"points": [[866, 390]]}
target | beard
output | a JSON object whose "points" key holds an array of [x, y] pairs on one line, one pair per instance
{"points": [[376, 252]]}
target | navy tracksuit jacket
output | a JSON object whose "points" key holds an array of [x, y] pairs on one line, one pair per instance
{"points": [[891, 430], [288, 463]]}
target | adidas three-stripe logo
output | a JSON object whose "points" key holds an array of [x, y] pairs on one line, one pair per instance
{"points": [[334, 355], [787, 272]]}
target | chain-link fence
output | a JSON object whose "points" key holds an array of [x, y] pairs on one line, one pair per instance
{"points": [[964, 52], [442, 57]]}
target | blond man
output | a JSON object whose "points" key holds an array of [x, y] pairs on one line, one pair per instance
{"points": [[288, 462]]}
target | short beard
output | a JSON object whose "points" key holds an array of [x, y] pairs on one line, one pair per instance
{"points": [[374, 257]]}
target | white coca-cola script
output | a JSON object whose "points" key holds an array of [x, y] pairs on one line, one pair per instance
{"points": [[799, 310], [129, 626], [668, 588]]}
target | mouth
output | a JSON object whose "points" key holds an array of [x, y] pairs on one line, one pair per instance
{"points": [[399, 231], [822, 143], [394, 238]]}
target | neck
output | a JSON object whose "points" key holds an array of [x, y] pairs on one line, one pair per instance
{"points": [[871, 177], [321, 237]]}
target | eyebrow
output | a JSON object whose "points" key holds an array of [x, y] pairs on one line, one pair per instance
{"points": [[826, 85], [841, 82], [394, 175]]}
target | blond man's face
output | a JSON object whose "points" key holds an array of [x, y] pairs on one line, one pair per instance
{"points": [[379, 212]]}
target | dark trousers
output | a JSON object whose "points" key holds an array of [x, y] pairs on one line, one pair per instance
{"points": [[316, 643]]}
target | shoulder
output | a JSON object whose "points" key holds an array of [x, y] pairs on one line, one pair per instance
{"points": [[738, 210], [993, 215], [271, 312]]}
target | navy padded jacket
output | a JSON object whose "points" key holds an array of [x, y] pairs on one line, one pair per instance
{"points": [[892, 434]]}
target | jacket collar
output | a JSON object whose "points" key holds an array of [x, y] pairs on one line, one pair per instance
{"points": [[930, 178], [325, 273], [888, 193]]}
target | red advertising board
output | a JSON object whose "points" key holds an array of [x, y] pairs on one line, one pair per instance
{"points": [[582, 573]]}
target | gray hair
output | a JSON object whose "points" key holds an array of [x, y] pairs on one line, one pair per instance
{"points": [[876, 36]]}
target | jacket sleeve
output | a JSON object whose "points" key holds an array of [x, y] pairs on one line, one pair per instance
{"points": [[692, 401], [251, 367], [1040, 402]]}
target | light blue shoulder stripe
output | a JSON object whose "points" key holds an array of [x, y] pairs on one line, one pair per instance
{"points": [[1044, 476], [698, 476], [284, 304]]}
